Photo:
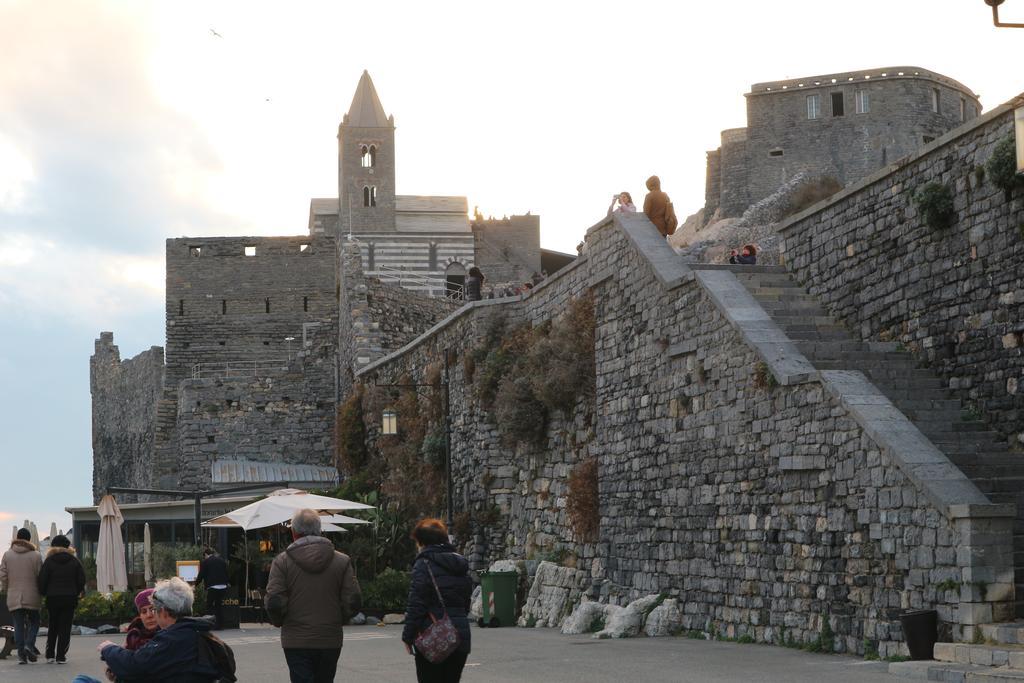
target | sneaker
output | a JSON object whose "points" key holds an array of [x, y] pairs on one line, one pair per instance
{"points": [[32, 656], [62, 661], [50, 660], [22, 658]]}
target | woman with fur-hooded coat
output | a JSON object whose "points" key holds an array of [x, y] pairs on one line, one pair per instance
{"points": [[61, 580]]}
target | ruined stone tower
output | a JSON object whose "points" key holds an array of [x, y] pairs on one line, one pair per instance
{"points": [[366, 164]]}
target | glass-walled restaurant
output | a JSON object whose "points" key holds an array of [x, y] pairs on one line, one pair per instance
{"points": [[170, 523]]}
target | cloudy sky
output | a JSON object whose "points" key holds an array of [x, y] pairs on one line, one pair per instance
{"points": [[125, 123]]}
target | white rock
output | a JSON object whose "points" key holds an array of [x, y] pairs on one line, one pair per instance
{"points": [[664, 620], [476, 605], [391, 619], [583, 617], [554, 590], [359, 619], [504, 566], [626, 622]]}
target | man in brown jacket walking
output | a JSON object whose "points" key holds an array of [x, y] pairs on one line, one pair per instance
{"points": [[311, 593], [19, 571]]}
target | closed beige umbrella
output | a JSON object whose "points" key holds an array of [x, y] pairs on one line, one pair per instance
{"points": [[111, 574], [147, 554]]}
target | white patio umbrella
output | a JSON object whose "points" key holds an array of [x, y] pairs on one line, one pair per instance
{"points": [[281, 506], [341, 519], [111, 573], [147, 553]]}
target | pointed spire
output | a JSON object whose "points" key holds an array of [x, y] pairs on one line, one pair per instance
{"points": [[366, 110]]}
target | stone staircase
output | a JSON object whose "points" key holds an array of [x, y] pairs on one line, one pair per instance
{"points": [[917, 392]]}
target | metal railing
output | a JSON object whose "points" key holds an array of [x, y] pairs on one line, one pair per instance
{"points": [[411, 279], [238, 368]]}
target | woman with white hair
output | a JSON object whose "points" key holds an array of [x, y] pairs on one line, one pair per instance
{"points": [[174, 655]]}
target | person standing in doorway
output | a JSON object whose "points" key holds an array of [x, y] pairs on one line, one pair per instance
{"points": [[311, 593], [474, 283], [62, 582], [213, 573], [19, 579]]}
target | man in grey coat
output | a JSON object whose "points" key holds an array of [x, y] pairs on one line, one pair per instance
{"points": [[19, 573], [311, 593]]}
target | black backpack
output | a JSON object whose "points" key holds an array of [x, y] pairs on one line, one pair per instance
{"points": [[217, 654]]}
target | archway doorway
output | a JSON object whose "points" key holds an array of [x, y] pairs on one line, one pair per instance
{"points": [[454, 280]]}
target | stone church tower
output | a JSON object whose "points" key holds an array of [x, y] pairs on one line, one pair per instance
{"points": [[366, 164]]}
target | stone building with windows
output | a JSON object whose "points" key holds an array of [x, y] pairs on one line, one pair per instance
{"points": [[264, 333], [843, 125]]}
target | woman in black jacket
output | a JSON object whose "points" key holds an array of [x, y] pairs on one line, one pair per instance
{"points": [[61, 580], [451, 571]]}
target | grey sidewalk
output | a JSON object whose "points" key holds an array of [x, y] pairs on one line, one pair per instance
{"points": [[513, 655]]}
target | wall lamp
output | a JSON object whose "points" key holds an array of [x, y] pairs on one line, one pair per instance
{"points": [[994, 4]]}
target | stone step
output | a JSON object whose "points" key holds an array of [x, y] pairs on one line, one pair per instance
{"points": [[938, 425], [972, 439], [982, 472], [1010, 633], [1010, 484], [983, 654], [932, 670]]}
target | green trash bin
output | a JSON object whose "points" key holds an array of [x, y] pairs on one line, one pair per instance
{"points": [[498, 593]]}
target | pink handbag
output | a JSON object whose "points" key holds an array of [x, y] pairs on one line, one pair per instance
{"points": [[440, 639]]}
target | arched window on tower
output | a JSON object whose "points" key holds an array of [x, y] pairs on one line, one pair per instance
{"points": [[432, 257], [369, 158], [369, 195]]}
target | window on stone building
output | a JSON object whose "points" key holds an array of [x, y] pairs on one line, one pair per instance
{"points": [[369, 195], [181, 307], [862, 102], [195, 252], [305, 304], [250, 251], [266, 304], [369, 257], [935, 100], [223, 306], [963, 109], [432, 257], [303, 248], [369, 158], [775, 152], [838, 104], [813, 106]]}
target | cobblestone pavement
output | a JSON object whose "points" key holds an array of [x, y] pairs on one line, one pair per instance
{"points": [[512, 655]]}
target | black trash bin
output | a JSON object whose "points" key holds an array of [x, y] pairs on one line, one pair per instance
{"points": [[921, 631]]}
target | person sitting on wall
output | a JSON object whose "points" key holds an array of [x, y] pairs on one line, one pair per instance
{"points": [[747, 257], [625, 201], [474, 283]]}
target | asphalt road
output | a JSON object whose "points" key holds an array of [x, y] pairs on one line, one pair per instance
{"points": [[511, 655]]}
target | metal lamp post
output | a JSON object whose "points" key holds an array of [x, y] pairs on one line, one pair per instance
{"points": [[994, 4]]}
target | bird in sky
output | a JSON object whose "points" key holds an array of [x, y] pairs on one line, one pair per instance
{"points": [[215, 33]]}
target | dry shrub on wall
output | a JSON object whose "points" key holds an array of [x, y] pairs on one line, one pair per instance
{"points": [[583, 501], [350, 433], [499, 358], [416, 486], [562, 362], [811, 192], [519, 415]]}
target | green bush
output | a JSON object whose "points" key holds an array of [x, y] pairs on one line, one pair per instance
{"points": [[165, 555], [115, 609], [433, 447], [388, 592], [350, 432], [1001, 167], [934, 201]]}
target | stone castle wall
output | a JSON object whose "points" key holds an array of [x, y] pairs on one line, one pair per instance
{"points": [[781, 141], [124, 414], [762, 508], [507, 249], [281, 415], [226, 307], [953, 297]]}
